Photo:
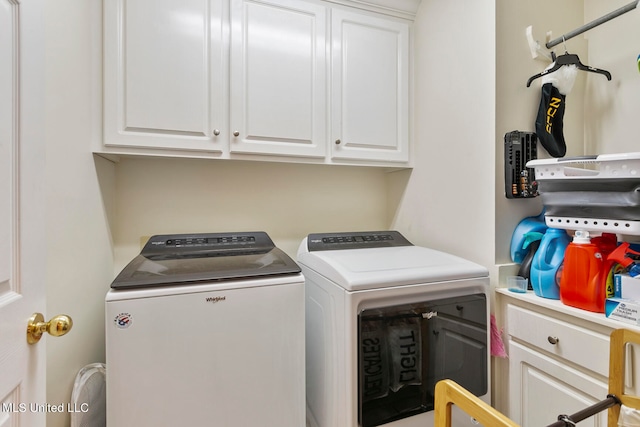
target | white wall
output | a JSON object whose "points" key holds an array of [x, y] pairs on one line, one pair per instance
{"points": [[612, 109], [288, 201], [517, 104], [79, 258], [448, 202]]}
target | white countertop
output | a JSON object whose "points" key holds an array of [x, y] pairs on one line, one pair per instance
{"points": [[556, 305]]}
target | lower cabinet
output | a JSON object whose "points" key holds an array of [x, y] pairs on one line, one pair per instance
{"points": [[558, 360], [540, 389]]}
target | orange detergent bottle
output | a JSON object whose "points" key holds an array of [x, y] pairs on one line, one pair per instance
{"points": [[581, 284]]}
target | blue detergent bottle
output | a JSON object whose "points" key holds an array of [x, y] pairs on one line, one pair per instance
{"points": [[547, 263], [531, 243], [529, 224]]}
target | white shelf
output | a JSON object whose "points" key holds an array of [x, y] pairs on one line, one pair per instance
{"points": [[624, 227], [557, 306], [623, 165]]}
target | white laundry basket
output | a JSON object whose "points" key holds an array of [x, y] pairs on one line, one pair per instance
{"points": [[89, 397]]}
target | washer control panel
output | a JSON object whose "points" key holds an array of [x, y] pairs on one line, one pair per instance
{"points": [[200, 243], [355, 240], [195, 241]]}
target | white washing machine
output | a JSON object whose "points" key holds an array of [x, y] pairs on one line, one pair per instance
{"points": [[206, 330], [386, 320]]}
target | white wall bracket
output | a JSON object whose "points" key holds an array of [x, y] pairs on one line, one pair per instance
{"points": [[537, 51]]}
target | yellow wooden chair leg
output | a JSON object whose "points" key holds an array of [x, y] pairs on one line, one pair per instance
{"points": [[449, 392]]}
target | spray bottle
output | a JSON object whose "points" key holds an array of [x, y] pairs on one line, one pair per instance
{"points": [[607, 243], [621, 256]]}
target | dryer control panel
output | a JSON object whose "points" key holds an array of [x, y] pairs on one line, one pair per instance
{"points": [[355, 240]]}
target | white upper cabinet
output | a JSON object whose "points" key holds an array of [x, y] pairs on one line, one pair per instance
{"points": [[370, 95], [164, 73], [290, 80], [278, 78]]}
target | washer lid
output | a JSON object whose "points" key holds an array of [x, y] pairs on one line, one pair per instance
{"points": [[378, 267], [188, 259]]}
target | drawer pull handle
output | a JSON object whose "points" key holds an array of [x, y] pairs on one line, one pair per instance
{"points": [[553, 340]]}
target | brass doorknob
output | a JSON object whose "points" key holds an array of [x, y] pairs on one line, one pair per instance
{"points": [[57, 326]]}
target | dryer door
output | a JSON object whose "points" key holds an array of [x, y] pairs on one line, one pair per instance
{"points": [[405, 350], [458, 345]]}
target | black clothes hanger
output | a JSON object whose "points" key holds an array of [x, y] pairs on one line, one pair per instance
{"points": [[569, 59]]}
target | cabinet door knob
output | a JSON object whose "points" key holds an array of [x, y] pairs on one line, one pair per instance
{"points": [[338, 142], [216, 132], [553, 340], [236, 133]]}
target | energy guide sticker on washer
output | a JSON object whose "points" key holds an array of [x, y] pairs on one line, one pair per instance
{"points": [[123, 320]]}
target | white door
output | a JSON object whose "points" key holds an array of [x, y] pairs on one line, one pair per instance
{"points": [[22, 237], [278, 78]]}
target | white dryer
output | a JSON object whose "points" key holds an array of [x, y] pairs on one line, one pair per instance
{"points": [[386, 320], [206, 330]]}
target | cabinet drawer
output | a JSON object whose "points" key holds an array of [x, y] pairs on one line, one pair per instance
{"points": [[572, 343]]}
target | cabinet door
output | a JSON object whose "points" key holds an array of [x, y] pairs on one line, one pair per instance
{"points": [[278, 78], [164, 74], [370, 87], [541, 388]]}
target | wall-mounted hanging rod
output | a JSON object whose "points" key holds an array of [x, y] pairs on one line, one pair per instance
{"points": [[594, 23]]}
